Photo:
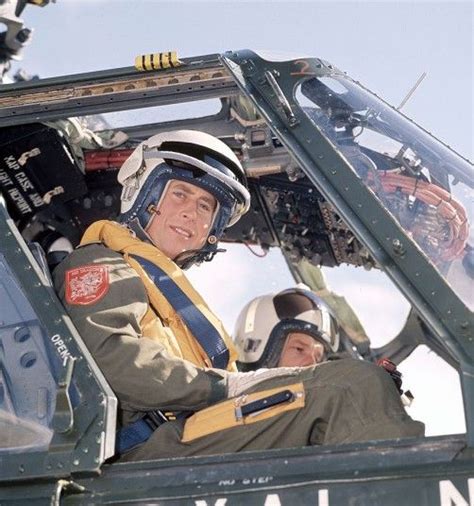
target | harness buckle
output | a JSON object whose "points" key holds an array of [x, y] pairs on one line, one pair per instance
{"points": [[155, 418]]}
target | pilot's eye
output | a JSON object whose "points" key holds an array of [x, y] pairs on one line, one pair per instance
{"points": [[205, 207], [179, 194], [298, 349]]}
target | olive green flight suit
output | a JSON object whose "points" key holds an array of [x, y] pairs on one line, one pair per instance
{"points": [[345, 401]]}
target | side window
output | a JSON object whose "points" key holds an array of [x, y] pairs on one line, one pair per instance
{"points": [[425, 186], [28, 372]]}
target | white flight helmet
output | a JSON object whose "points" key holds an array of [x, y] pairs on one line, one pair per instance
{"points": [[265, 322], [187, 155]]}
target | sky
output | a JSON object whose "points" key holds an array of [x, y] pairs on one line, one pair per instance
{"points": [[385, 45]]}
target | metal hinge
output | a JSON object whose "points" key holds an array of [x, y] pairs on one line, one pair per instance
{"points": [[282, 101]]}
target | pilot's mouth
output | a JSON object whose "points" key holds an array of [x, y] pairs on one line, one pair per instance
{"points": [[187, 234]]}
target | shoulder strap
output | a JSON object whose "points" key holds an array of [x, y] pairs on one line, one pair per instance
{"points": [[203, 331]]}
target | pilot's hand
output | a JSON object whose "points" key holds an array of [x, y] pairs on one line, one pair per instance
{"points": [[239, 382]]}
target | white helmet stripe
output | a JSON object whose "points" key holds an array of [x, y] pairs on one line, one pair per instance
{"points": [[250, 319], [326, 324]]}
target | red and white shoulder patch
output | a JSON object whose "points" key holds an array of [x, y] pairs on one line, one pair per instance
{"points": [[87, 284]]}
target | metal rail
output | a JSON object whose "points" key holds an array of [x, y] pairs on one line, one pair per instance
{"points": [[120, 89]]}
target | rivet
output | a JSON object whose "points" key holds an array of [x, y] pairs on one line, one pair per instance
{"points": [[398, 248]]}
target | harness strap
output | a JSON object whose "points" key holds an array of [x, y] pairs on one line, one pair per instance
{"points": [[140, 431], [203, 331], [132, 435]]}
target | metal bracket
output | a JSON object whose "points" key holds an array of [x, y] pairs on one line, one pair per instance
{"points": [[67, 486]]}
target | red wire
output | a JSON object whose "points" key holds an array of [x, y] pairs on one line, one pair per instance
{"points": [[101, 160], [452, 211]]}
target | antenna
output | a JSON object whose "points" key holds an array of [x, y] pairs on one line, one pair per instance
{"points": [[410, 93]]}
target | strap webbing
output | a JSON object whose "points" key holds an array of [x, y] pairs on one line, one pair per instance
{"points": [[140, 431], [204, 332], [132, 435]]}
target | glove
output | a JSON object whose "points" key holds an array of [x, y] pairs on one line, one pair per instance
{"points": [[239, 382]]}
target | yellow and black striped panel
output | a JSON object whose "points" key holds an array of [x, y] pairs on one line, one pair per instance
{"points": [[157, 61]]}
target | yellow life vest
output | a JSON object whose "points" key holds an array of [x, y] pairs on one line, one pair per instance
{"points": [[161, 322]]}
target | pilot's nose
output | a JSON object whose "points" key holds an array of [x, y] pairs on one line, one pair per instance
{"points": [[189, 211]]}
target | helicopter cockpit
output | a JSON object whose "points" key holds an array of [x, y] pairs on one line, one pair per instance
{"points": [[336, 177]]}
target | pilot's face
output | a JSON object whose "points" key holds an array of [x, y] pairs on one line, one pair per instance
{"points": [[183, 219], [300, 350]]}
